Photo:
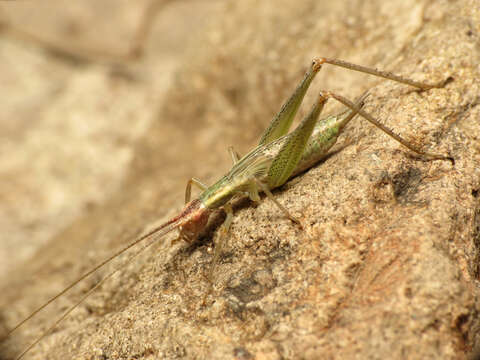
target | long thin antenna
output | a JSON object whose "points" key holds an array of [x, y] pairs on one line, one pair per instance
{"points": [[100, 283], [166, 227]]}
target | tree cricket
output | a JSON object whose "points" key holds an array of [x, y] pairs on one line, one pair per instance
{"points": [[278, 157]]}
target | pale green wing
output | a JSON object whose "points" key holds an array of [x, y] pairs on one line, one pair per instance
{"points": [[253, 165]]}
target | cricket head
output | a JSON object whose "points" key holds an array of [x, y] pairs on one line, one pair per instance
{"points": [[193, 219]]}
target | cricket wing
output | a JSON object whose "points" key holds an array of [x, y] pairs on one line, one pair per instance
{"points": [[251, 167]]}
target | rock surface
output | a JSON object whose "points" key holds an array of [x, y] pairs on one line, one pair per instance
{"points": [[387, 265]]}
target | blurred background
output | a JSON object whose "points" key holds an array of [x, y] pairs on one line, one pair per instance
{"points": [[76, 96]]}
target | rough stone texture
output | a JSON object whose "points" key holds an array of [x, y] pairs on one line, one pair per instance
{"points": [[388, 263]]}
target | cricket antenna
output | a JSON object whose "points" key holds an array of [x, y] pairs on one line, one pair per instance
{"points": [[158, 231]]}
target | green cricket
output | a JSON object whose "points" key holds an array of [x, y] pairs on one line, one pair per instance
{"points": [[278, 157]]}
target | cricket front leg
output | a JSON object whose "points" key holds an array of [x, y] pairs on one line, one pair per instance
{"points": [[184, 234], [384, 74], [221, 239], [188, 188]]}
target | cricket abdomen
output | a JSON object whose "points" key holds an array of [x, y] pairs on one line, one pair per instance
{"points": [[324, 136]]}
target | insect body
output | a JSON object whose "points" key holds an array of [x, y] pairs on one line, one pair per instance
{"points": [[277, 157]]}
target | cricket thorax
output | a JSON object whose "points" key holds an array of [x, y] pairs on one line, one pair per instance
{"points": [[221, 192], [253, 166]]}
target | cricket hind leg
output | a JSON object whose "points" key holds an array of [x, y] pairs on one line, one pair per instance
{"points": [[371, 119], [385, 129], [379, 73]]}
